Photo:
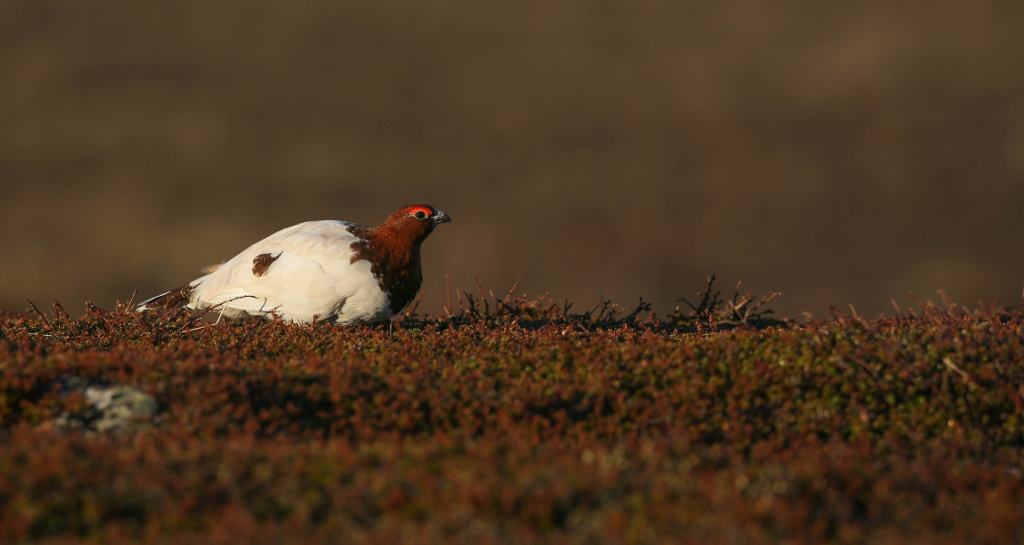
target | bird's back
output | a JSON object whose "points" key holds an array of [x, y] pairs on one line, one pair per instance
{"points": [[297, 273]]}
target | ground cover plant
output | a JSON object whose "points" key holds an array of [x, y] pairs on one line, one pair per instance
{"points": [[520, 421]]}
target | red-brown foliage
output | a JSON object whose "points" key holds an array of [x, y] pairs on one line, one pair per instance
{"points": [[521, 425]]}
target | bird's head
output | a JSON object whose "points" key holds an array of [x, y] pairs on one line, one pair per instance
{"points": [[415, 221]]}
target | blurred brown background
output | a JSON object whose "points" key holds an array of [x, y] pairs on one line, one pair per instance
{"points": [[837, 152]]}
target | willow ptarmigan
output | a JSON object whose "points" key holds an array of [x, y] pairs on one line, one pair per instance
{"points": [[331, 271]]}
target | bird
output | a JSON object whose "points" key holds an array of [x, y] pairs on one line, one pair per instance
{"points": [[326, 271]]}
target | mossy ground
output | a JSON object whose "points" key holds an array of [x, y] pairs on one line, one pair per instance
{"points": [[521, 424]]}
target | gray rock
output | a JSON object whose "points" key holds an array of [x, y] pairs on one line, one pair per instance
{"points": [[113, 408]]}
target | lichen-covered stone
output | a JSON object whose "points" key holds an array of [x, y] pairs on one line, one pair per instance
{"points": [[112, 407]]}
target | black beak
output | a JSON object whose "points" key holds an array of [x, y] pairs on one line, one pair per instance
{"points": [[440, 217]]}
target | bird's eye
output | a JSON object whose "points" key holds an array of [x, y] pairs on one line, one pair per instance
{"points": [[420, 212]]}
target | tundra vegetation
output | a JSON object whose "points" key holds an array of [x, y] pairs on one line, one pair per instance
{"points": [[518, 420]]}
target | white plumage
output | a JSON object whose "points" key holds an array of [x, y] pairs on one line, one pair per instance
{"points": [[308, 270]]}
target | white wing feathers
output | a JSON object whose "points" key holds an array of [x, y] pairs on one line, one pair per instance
{"points": [[311, 273]]}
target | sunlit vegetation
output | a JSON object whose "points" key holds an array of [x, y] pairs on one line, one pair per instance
{"points": [[522, 421]]}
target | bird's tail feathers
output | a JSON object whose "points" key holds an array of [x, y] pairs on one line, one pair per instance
{"points": [[173, 298]]}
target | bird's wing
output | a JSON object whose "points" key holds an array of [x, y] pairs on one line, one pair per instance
{"points": [[303, 270]]}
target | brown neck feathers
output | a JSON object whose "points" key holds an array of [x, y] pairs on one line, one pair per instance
{"points": [[394, 256]]}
